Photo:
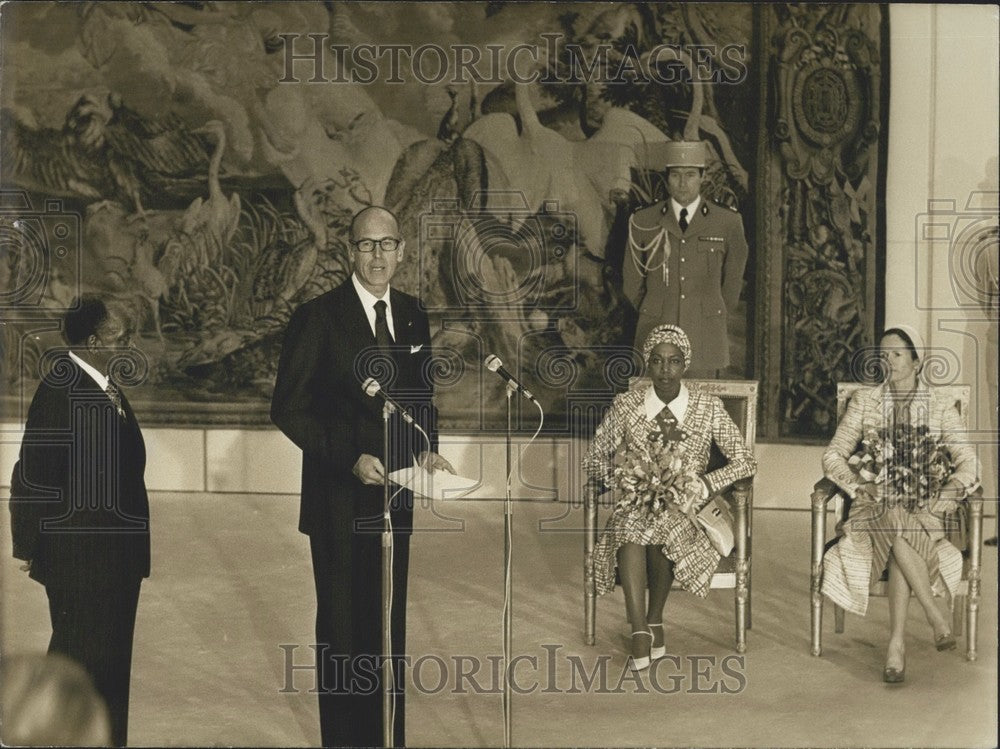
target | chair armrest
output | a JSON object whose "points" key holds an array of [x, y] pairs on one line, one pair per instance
{"points": [[823, 491], [743, 485], [969, 518], [973, 497]]}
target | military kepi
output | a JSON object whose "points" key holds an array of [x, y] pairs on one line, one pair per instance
{"points": [[670, 153]]}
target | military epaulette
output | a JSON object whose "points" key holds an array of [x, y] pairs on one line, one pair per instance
{"points": [[732, 208]]}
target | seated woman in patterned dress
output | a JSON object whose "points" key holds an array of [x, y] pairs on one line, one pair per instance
{"points": [[885, 527], [652, 543]]}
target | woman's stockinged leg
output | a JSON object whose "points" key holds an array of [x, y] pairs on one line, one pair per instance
{"points": [[632, 570], [899, 601], [914, 569], [660, 572]]}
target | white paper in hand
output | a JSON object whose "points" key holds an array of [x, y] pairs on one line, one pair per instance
{"points": [[437, 485]]}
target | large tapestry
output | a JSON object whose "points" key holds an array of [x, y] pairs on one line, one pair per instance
{"points": [[201, 162]]}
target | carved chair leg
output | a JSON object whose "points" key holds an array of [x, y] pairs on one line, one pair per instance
{"points": [[972, 625], [816, 622], [816, 573], [958, 615], [589, 602], [975, 566], [749, 614], [589, 581], [741, 620], [741, 498], [838, 619]]}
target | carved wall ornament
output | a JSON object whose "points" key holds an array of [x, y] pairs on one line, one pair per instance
{"points": [[821, 252], [826, 103]]}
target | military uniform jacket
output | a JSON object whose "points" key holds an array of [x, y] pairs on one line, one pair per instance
{"points": [[689, 278]]}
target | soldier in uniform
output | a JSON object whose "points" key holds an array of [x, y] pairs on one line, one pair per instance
{"points": [[684, 260]]}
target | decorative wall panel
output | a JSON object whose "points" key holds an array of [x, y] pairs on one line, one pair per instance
{"points": [[821, 208]]}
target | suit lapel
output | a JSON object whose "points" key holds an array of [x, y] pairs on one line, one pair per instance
{"points": [[83, 381], [353, 318], [129, 413], [402, 318], [669, 221]]}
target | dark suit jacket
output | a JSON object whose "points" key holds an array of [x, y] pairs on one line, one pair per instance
{"points": [[79, 509], [328, 352]]}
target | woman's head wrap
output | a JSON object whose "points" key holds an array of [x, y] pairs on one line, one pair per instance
{"points": [[667, 334]]}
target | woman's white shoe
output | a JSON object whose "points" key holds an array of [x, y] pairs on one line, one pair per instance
{"points": [[641, 663], [656, 651]]}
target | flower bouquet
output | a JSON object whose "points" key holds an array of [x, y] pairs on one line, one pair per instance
{"points": [[652, 479], [907, 463]]}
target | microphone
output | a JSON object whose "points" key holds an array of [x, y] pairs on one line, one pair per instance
{"points": [[372, 388], [494, 364]]}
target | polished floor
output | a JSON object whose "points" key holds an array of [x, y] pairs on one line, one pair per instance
{"points": [[225, 623]]}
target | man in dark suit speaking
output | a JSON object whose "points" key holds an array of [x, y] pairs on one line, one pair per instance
{"points": [[333, 343], [79, 510]]}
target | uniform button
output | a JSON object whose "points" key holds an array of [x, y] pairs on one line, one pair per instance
{"points": [[682, 278], [682, 260], [683, 241], [682, 296]]}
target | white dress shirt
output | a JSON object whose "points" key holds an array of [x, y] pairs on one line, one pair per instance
{"points": [[690, 209], [96, 376], [368, 302]]}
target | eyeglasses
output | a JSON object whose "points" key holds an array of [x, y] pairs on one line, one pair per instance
{"points": [[386, 244]]}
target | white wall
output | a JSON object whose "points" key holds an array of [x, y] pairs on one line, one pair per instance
{"points": [[942, 185], [264, 461]]}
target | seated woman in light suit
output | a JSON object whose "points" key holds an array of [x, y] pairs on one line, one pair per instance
{"points": [[653, 542], [885, 526]]}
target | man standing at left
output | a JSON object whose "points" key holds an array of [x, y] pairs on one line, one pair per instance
{"points": [[79, 509]]}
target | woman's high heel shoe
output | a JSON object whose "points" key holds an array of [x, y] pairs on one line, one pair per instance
{"points": [[641, 663], [893, 675], [945, 641], [656, 651]]}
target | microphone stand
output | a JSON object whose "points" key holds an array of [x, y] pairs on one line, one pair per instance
{"points": [[508, 511], [387, 666]]}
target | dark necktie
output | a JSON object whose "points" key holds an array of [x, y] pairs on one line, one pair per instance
{"points": [[382, 337], [669, 428], [116, 397], [684, 219]]}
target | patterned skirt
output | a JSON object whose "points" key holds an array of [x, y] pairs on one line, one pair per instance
{"points": [[859, 559], [695, 559]]}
